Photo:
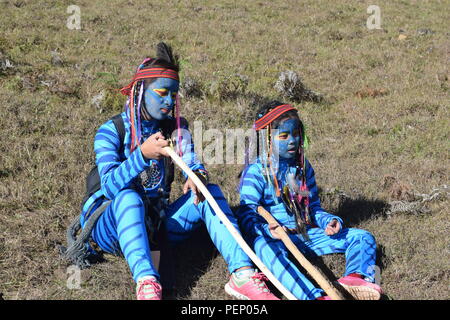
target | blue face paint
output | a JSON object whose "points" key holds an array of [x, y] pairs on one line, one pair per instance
{"points": [[160, 97], [286, 139]]}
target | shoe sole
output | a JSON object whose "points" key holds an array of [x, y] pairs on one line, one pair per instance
{"points": [[234, 293], [362, 292]]}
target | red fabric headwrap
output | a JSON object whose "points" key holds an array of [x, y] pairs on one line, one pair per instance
{"points": [[147, 73], [272, 115]]}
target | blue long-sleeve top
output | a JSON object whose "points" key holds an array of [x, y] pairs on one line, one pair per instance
{"points": [[118, 170], [256, 191]]}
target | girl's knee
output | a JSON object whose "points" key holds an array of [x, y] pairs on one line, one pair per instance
{"points": [[128, 201], [128, 196], [363, 234], [263, 246]]}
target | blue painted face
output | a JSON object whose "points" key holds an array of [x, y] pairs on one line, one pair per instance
{"points": [[160, 97], [286, 139]]}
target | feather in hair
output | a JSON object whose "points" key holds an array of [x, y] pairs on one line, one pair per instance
{"points": [[164, 52]]}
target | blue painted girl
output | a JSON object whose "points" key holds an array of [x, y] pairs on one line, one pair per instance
{"points": [[135, 179]]}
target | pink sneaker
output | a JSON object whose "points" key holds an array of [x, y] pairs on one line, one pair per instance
{"points": [[361, 289], [148, 288], [249, 288]]}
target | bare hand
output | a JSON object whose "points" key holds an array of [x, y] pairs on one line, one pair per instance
{"points": [[275, 230], [191, 185], [333, 227], [152, 148]]}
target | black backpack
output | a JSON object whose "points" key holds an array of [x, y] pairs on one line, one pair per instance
{"points": [[93, 183]]}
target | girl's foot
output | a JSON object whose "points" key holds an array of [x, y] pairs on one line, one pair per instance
{"points": [[148, 288], [249, 285]]}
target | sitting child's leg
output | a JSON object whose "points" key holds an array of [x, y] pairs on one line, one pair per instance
{"points": [[360, 252], [121, 230], [358, 245]]}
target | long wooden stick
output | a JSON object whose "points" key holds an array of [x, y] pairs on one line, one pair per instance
{"points": [[236, 235], [323, 282]]}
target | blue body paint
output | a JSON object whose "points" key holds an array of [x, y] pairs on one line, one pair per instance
{"points": [[160, 97], [286, 139]]}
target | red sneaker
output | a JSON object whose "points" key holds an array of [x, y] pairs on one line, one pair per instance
{"points": [[324, 298], [361, 289], [148, 288], [249, 288]]}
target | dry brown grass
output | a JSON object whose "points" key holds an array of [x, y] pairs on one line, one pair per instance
{"points": [[385, 114]]}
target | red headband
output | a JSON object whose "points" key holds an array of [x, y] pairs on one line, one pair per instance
{"points": [[150, 73], [271, 116]]}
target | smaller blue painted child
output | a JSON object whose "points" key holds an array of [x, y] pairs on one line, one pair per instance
{"points": [[282, 181]]}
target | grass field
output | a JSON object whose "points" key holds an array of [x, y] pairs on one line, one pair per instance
{"points": [[380, 133]]}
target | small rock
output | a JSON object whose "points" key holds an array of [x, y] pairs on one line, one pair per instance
{"points": [[190, 88], [97, 100], [47, 83], [424, 32], [5, 64], [56, 58], [290, 85]]}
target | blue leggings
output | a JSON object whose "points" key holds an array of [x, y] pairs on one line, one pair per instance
{"points": [[358, 245], [121, 229]]}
